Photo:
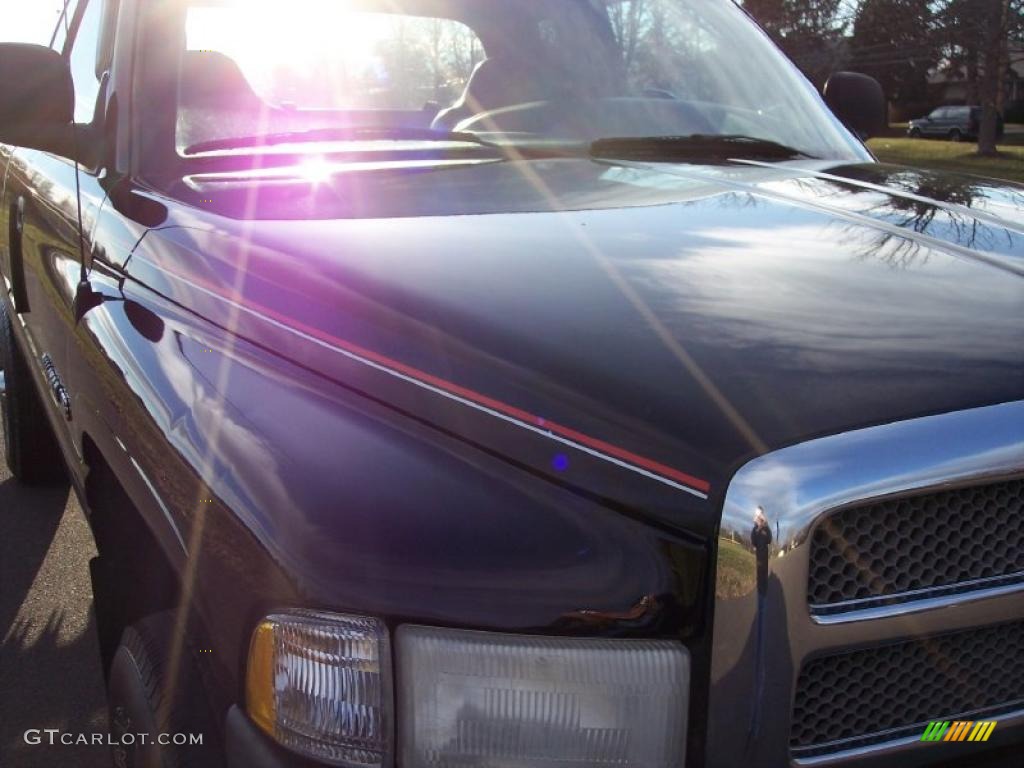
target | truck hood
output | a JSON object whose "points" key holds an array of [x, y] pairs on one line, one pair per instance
{"points": [[634, 331]]}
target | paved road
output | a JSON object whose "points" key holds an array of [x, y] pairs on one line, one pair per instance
{"points": [[49, 660]]}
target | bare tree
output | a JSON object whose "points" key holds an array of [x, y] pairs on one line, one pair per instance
{"points": [[995, 30], [626, 19], [808, 31], [464, 53], [435, 47], [978, 35], [894, 41]]}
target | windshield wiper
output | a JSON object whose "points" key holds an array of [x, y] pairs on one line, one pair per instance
{"points": [[694, 147], [365, 133]]}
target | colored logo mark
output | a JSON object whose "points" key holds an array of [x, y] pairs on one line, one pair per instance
{"points": [[959, 730]]}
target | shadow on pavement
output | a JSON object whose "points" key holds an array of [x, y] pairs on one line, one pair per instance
{"points": [[49, 657]]}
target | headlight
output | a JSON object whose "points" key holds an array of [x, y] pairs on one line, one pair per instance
{"points": [[500, 701], [320, 684]]}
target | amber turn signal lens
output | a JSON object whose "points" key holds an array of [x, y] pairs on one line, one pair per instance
{"points": [[320, 685], [259, 677]]}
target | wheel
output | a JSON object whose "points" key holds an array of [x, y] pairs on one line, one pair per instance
{"points": [[955, 135], [141, 701], [29, 446], [915, 133]]}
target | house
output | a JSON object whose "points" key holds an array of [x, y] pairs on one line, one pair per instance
{"points": [[950, 86]]}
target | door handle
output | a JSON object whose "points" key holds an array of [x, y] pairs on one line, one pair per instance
{"points": [[16, 235]]}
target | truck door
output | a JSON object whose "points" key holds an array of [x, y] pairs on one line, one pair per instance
{"points": [[45, 226]]}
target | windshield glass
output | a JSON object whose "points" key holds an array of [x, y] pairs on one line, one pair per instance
{"points": [[530, 70]]}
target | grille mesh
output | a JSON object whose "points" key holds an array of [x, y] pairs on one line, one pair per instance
{"points": [[934, 540], [861, 694]]}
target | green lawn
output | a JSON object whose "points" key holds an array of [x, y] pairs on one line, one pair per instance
{"points": [[950, 156], [736, 569]]}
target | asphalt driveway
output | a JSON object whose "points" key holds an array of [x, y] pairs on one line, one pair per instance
{"points": [[49, 659]]}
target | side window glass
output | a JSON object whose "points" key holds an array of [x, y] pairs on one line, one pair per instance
{"points": [[83, 62], [60, 34]]}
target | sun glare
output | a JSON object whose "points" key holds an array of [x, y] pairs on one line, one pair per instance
{"points": [[316, 170], [303, 37]]}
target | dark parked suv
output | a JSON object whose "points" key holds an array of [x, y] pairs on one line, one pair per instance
{"points": [[953, 123], [512, 384]]}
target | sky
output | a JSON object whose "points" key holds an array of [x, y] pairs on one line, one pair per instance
{"points": [[29, 21]]}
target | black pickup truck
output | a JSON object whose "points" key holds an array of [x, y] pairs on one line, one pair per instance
{"points": [[511, 384]]}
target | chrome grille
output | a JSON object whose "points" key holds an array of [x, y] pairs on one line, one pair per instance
{"points": [[934, 543], [864, 676], [876, 694]]}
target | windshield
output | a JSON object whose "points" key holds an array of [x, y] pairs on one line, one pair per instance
{"points": [[524, 71]]}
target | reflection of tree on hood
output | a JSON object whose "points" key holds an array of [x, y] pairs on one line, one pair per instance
{"points": [[949, 188], [916, 211]]}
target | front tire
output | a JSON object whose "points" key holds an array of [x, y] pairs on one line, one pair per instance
{"points": [[144, 700], [30, 449], [915, 133]]}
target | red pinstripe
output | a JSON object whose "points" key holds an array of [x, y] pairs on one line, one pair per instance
{"points": [[468, 394]]}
